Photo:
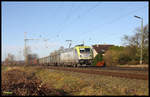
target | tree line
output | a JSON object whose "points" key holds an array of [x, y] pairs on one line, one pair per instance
{"points": [[129, 53]]}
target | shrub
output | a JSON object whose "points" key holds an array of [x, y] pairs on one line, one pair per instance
{"points": [[108, 58], [123, 58], [133, 62], [111, 57], [124, 55]]}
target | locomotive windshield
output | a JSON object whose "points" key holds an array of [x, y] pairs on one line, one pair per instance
{"points": [[84, 50]]}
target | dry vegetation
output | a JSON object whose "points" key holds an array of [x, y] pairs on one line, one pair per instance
{"points": [[16, 81], [25, 81]]}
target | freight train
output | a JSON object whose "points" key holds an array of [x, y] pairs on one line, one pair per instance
{"points": [[79, 55], [76, 56]]}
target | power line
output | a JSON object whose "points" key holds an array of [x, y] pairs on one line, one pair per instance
{"points": [[65, 21], [60, 31], [87, 11], [83, 14], [118, 18], [122, 16]]}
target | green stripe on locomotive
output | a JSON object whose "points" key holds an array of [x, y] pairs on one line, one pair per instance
{"points": [[98, 58]]}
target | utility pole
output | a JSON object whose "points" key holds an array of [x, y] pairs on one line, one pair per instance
{"points": [[141, 56], [25, 47]]}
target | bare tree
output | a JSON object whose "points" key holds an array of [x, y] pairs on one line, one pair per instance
{"points": [[10, 59], [135, 40]]}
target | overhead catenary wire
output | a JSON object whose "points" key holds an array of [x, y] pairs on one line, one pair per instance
{"points": [[88, 11], [123, 16], [65, 21], [77, 17], [38, 4], [115, 20], [81, 15]]}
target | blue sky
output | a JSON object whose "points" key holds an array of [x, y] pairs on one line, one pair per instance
{"points": [[91, 22]]}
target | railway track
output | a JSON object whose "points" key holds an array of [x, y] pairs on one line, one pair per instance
{"points": [[106, 71], [143, 69], [140, 76]]}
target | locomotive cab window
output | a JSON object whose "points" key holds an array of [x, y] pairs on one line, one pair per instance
{"points": [[87, 49], [84, 50]]}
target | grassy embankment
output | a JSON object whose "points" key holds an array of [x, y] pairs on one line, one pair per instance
{"points": [[72, 83]]}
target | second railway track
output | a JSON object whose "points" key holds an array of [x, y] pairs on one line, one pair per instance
{"points": [[140, 76]]}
